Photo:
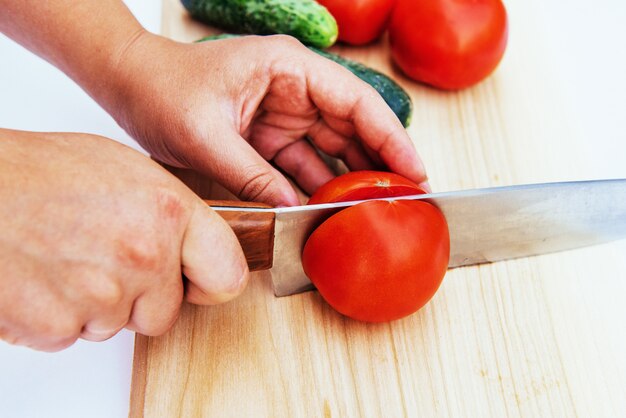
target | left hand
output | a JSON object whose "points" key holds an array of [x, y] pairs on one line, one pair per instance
{"points": [[225, 108]]}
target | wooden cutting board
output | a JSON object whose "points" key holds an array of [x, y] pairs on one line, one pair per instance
{"points": [[541, 336]]}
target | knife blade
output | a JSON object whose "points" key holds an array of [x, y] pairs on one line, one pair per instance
{"points": [[486, 225]]}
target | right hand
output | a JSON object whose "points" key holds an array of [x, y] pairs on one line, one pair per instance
{"points": [[94, 239]]}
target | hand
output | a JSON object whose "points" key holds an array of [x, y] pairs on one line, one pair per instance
{"points": [[225, 108], [94, 237]]}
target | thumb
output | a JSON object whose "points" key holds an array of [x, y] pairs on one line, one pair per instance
{"points": [[246, 174], [212, 259]]}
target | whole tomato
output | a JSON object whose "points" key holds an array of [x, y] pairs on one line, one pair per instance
{"points": [[377, 261], [359, 21], [450, 44]]}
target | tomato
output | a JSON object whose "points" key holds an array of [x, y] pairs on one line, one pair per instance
{"points": [[359, 21], [359, 185], [377, 261], [450, 44]]}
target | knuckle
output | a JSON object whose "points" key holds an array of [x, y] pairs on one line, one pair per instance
{"points": [[154, 327], [10, 339], [157, 316], [147, 247], [58, 345], [107, 293], [63, 329], [259, 180], [284, 40], [170, 206], [50, 333], [160, 328], [140, 253], [97, 336]]}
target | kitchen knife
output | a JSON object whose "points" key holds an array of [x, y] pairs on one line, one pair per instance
{"points": [[485, 225]]}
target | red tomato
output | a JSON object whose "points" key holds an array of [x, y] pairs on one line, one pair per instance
{"points": [[359, 185], [378, 261], [449, 44], [359, 21]]}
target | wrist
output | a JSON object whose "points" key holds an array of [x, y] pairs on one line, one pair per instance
{"points": [[107, 81], [127, 73]]}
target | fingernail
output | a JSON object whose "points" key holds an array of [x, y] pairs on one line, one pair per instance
{"points": [[289, 199], [426, 186]]}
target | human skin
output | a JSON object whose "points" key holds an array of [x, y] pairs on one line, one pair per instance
{"points": [[239, 111], [95, 237]]}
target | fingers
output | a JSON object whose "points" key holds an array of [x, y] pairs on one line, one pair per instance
{"points": [[106, 326], [339, 94], [43, 335], [155, 311], [302, 162], [216, 270], [350, 151], [212, 259], [391, 143], [103, 330], [245, 173], [281, 138]]}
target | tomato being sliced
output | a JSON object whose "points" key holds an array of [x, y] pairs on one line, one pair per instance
{"points": [[359, 185], [359, 21], [377, 261]]}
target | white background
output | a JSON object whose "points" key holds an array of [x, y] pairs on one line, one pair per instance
{"points": [[88, 379], [93, 379]]}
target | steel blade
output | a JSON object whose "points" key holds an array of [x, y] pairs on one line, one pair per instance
{"points": [[486, 225]]}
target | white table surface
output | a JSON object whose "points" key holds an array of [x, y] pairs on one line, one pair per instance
{"points": [[93, 379]]}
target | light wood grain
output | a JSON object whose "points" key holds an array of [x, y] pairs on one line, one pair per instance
{"points": [[541, 336]]}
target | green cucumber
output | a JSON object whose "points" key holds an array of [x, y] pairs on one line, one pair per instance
{"points": [[305, 20], [394, 95]]}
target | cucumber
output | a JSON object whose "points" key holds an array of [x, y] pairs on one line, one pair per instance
{"points": [[394, 95], [305, 20]]}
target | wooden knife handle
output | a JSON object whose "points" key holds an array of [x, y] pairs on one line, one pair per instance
{"points": [[254, 230]]}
